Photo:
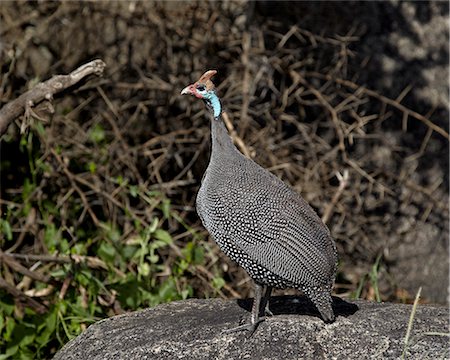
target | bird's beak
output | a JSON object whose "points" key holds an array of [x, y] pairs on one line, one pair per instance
{"points": [[190, 90], [187, 90]]}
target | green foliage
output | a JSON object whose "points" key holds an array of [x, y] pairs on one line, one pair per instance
{"points": [[6, 229], [97, 134], [112, 270], [135, 277], [32, 335], [370, 280]]}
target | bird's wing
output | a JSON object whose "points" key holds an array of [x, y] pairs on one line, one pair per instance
{"points": [[291, 240]]}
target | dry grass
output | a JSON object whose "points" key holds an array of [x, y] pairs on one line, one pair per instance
{"points": [[116, 149]]}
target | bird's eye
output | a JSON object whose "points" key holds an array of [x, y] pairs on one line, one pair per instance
{"points": [[200, 87]]}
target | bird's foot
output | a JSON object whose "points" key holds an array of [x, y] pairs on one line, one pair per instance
{"points": [[268, 312], [250, 327]]}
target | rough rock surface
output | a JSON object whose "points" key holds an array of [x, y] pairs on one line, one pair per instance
{"points": [[192, 329]]}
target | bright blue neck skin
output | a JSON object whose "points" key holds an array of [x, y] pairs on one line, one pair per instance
{"points": [[213, 101]]}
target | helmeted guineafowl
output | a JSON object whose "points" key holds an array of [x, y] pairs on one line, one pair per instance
{"points": [[260, 222]]}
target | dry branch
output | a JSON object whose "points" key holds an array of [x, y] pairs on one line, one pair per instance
{"points": [[37, 306], [394, 103], [90, 261], [16, 266], [343, 182], [46, 90], [238, 140]]}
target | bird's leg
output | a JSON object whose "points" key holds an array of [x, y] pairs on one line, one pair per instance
{"points": [[265, 301], [256, 305], [255, 318]]}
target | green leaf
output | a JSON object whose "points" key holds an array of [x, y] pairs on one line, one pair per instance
{"points": [[61, 307], [218, 283], [28, 188], [134, 190], [130, 252], [141, 252], [92, 167], [97, 134], [144, 269], [40, 128], [153, 258], [5, 307], [43, 166], [168, 290], [163, 235], [50, 207], [199, 255], [26, 353], [26, 335], [119, 180], [79, 249], [153, 226], [58, 274], [165, 208], [107, 252], [64, 246], [187, 251], [183, 265], [129, 294], [6, 228], [23, 143], [9, 352], [10, 325], [185, 294], [193, 253], [51, 237], [113, 234], [47, 328]]}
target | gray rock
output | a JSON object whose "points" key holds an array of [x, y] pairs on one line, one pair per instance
{"points": [[192, 329]]}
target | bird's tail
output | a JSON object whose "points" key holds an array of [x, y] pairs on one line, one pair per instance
{"points": [[321, 298]]}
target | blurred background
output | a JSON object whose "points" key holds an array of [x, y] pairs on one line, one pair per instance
{"points": [[98, 186]]}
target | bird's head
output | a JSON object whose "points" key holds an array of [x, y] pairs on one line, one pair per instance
{"points": [[204, 89]]}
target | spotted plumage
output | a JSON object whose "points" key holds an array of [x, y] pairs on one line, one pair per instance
{"points": [[259, 221]]}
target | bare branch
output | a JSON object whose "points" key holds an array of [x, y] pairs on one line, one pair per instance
{"points": [[394, 103], [46, 90], [238, 140], [35, 305], [343, 182]]}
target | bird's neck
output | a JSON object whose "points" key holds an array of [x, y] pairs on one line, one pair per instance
{"points": [[221, 140], [214, 105]]}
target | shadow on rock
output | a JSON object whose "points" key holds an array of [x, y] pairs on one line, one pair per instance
{"points": [[301, 305]]}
